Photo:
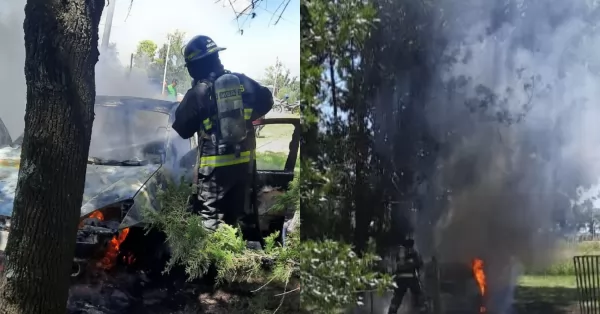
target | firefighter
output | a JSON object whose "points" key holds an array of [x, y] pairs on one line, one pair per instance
{"points": [[408, 268], [226, 139]]}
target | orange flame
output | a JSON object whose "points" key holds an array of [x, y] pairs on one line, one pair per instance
{"points": [[112, 252], [97, 214], [479, 275]]}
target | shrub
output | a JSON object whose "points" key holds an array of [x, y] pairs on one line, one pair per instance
{"points": [[196, 249], [331, 273]]}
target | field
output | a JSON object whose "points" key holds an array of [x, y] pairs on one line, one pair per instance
{"points": [[553, 290], [546, 295]]}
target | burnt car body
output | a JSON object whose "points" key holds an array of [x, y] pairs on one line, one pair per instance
{"points": [[133, 153]]}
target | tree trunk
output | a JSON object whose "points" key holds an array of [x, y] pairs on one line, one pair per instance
{"points": [[61, 40]]}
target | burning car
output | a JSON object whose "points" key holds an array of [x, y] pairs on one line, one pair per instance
{"points": [[133, 152], [462, 288]]}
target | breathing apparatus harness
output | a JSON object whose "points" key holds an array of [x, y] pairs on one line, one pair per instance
{"points": [[226, 112]]}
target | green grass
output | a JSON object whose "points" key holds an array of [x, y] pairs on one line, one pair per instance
{"points": [[272, 147], [547, 281], [546, 295], [274, 161], [270, 160], [553, 290]]}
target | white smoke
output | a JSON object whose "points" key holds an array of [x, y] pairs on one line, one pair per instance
{"points": [[112, 78], [12, 64], [511, 98], [534, 66], [115, 79]]}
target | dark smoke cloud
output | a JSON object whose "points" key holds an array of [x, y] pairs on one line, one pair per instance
{"points": [[514, 108], [519, 131]]}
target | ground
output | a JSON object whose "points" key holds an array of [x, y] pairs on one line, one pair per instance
{"points": [[546, 295], [272, 145], [554, 290], [124, 290]]}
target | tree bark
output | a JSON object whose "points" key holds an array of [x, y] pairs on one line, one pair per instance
{"points": [[61, 40]]}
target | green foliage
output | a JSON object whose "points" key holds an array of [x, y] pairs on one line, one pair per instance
{"points": [[330, 271], [150, 57], [334, 157], [273, 160], [145, 54], [279, 77], [338, 152], [332, 275], [290, 199], [292, 90], [196, 249], [176, 62]]}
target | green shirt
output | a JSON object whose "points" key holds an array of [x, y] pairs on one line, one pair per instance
{"points": [[172, 91]]}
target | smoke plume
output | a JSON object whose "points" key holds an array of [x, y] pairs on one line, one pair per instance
{"points": [[12, 61], [515, 113], [510, 97], [112, 78]]}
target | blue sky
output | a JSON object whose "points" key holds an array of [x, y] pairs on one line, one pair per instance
{"points": [[250, 53]]}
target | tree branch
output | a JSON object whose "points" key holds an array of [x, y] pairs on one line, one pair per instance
{"points": [[250, 11]]}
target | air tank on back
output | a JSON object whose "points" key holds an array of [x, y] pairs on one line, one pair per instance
{"points": [[230, 109]]}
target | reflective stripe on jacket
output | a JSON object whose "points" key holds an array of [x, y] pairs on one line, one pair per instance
{"points": [[208, 122], [225, 160]]}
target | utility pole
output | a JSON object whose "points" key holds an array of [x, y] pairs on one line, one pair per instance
{"points": [[108, 24], [166, 64], [275, 79]]}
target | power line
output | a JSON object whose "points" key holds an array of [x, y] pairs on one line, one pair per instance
{"points": [[251, 15], [273, 13]]}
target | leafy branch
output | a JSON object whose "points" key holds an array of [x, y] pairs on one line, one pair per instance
{"points": [[195, 248]]}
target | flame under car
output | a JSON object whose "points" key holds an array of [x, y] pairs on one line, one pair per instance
{"points": [[131, 147], [133, 153], [459, 288]]}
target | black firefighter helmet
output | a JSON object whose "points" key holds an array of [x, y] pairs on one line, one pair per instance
{"points": [[200, 47]]}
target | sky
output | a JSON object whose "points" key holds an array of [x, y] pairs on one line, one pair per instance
{"points": [[250, 53]]}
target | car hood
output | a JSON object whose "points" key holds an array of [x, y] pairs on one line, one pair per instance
{"points": [[104, 185]]}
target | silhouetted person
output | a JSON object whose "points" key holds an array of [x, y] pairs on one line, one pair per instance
{"points": [[408, 266]]}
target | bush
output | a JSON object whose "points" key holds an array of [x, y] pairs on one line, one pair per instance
{"points": [[196, 249], [331, 273]]}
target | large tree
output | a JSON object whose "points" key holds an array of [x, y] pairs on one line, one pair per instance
{"points": [[61, 40]]}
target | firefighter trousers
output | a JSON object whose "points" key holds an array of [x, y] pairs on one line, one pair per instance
{"points": [[223, 193], [403, 284]]}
